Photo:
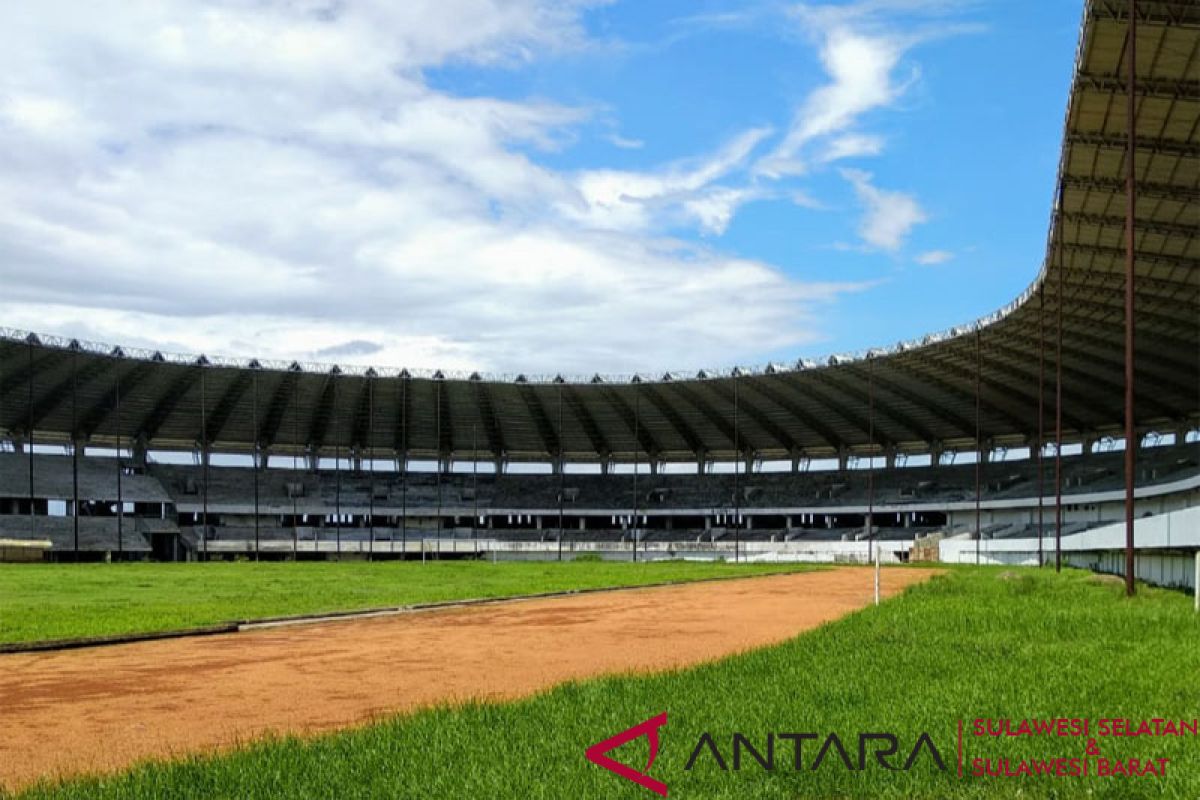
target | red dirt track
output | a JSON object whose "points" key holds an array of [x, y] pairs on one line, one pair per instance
{"points": [[102, 709]]}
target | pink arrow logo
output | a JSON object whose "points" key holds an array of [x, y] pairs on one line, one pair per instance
{"points": [[649, 729]]}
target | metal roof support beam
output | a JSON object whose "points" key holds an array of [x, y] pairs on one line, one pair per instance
{"points": [[273, 419], [68, 388], [1154, 146], [889, 384], [769, 386], [319, 424], [223, 411], [1146, 87], [491, 421], [1149, 12], [586, 421], [165, 405], [94, 415], [837, 377], [1146, 189], [644, 438], [682, 429], [818, 391], [1118, 253], [1145, 225], [756, 414], [551, 435]]}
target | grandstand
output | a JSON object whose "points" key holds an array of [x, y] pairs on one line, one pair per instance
{"points": [[996, 430]]}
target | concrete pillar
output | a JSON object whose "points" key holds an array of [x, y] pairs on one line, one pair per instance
{"points": [[708, 522], [138, 451], [843, 458], [889, 458], [749, 522], [582, 524], [787, 523], [539, 522]]}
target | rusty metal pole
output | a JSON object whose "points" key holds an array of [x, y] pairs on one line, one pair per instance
{"points": [[257, 457], [1131, 442], [29, 440], [737, 468], [978, 447], [637, 433], [75, 446], [1058, 400], [204, 453], [1041, 432], [871, 545], [120, 497], [337, 471], [562, 478], [404, 467], [370, 451]]}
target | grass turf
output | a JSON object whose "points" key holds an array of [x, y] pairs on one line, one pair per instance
{"points": [[53, 601], [973, 643]]}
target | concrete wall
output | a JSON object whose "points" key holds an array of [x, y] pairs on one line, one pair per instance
{"points": [[1166, 545]]}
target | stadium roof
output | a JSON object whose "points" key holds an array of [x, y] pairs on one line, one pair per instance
{"points": [[909, 398]]}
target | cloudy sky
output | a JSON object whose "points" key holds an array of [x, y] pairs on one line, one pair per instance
{"points": [[524, 185]]}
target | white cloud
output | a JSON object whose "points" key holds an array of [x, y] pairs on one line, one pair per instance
{"points": [[633, 201], [933, 257], [616, 140], [280, 180], [888, 216]]}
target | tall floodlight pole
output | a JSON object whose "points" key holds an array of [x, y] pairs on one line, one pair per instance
{"points": [[737, 468], [438, 464], [1058, 443], [978, 445], [337, 469], [204, 457], [404, 465], [257, 457], [120, 497], [637, 420], [369, 450], [29, 435], [475, 491], [1041, 431], [1131, 443], [75, 444], [871, 545], [295, 464], [562, 478]]}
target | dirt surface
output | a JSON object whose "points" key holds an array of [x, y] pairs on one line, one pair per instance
{"points": [[106, 708]]}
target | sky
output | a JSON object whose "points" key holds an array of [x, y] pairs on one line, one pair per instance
{"points": [[526, 186]]}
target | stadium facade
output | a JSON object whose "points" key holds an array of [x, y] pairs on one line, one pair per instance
{"points": [[224, 457]]}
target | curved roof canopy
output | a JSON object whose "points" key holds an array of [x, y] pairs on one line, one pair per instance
{"points": [[909, 398]]}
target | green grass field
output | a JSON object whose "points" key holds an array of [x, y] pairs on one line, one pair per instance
{"points": [[58, 601], [974, 643]]}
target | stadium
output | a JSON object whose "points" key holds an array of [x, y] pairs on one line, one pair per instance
{"points": [[1061, 430]]}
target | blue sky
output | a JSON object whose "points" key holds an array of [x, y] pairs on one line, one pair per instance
{"points": [[527, 185]]}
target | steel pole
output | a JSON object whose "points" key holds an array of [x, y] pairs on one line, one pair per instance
{"points": [[371, 463], [29, 441], [637, 433], [75, 447], [1131, 443], [1041, 432], [404, 467], [204, 457], [337, 472], [120, 498], [257, 457], [871, 468], [737, 468], [1058, 443], [561, 475], [978, 446]]}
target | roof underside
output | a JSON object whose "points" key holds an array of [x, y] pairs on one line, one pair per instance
{"points": [[921, 396]]}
